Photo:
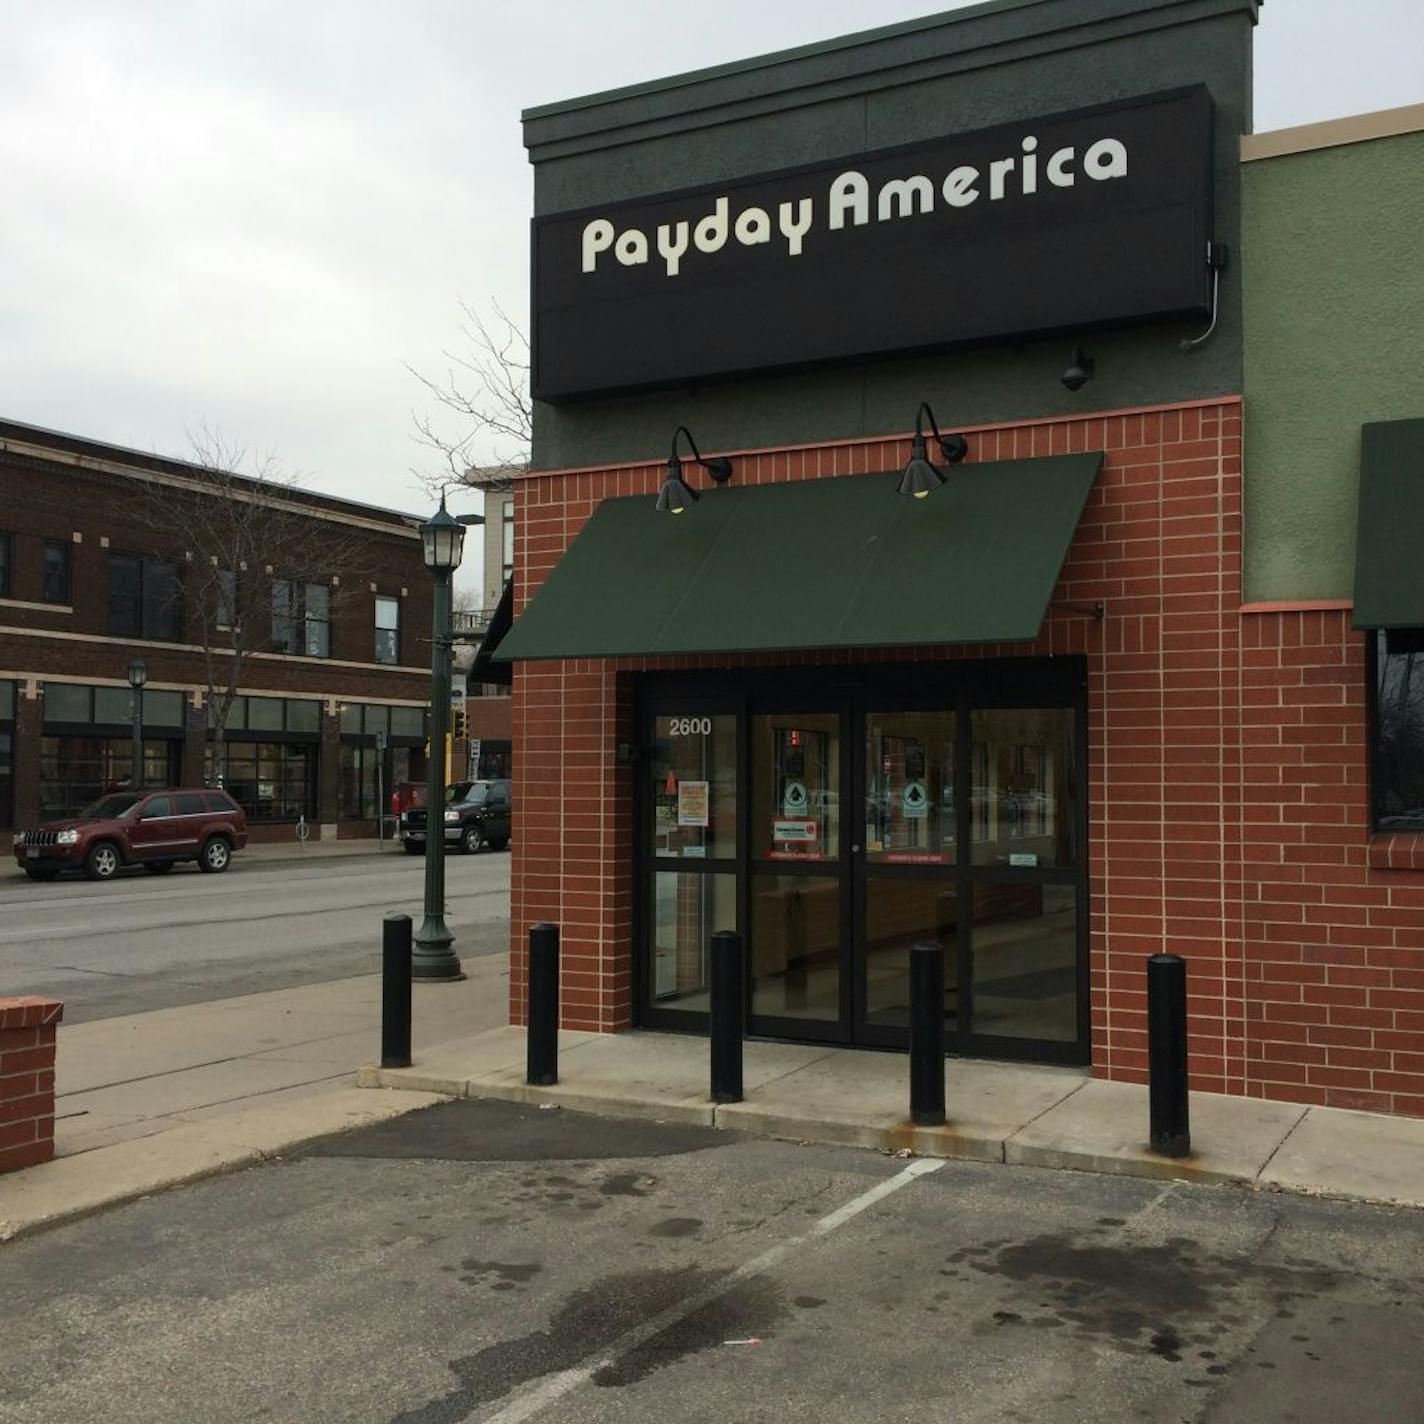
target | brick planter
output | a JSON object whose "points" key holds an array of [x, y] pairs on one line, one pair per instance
{"points": [[27, 1038]]}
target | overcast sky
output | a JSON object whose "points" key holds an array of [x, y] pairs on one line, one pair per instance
{"points": [[249, 213]]}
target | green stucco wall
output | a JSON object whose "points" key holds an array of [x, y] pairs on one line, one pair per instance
{"points": [[1333, 271], [968, 69]]}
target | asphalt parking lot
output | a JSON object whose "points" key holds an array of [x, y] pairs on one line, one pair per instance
{"points": [[493, 1262]]}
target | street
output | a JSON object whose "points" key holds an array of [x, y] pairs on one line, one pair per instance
{"points": [[149, 942], [495, 1263]]}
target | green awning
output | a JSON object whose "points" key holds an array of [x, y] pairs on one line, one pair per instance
{"points": [[1389, 547], [829, 563]]}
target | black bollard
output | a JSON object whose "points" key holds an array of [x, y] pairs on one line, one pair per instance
{"points": [[728, 1015], [395, 991], [1171, 1134], [927, 1035], [543, 1059]]}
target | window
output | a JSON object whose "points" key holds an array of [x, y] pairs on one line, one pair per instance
{"points": [[268, 714], [271, 781], [388, 630], [507, 541], [74, 702], [4, 566], [145, 598], [54, 572], [75, 771], [158, 806], [1397, 734], [219, 801], [225, 595], [189, 804], [301, 618]]}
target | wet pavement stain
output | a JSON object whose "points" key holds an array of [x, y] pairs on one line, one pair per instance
{"points": [[1126, 1294], [502, 1275], [590, 1321], [677, 1226], [627, 1184]]}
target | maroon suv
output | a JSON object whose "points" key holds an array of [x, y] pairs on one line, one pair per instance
{"points": [[154, 829]]}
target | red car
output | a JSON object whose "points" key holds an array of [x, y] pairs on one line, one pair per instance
{"points": [[154, 829]]}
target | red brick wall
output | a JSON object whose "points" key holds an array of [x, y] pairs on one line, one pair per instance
{"points": [[27, 1034], [1226, 773]]}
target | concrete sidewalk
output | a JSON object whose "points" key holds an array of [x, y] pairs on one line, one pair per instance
{"points": [[999, 1112], [152, 1100]]}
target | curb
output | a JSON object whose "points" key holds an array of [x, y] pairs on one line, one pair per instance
{"points": [[963, 1141]]}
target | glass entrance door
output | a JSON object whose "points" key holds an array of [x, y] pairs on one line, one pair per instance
{"points": [[836, 832]]}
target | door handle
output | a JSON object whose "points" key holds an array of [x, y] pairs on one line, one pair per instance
{"points": [[855, 850]]}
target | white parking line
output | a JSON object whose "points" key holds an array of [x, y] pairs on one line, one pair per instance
{"points": [[555, 1387]]}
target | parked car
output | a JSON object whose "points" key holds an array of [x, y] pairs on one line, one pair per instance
{"points": [[477, 813], [154, 829]]}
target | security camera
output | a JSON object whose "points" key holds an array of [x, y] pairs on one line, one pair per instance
{"points": [[1080, 372]]}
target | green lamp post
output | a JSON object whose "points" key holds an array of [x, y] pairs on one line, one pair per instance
{"points": [[433, 958]]}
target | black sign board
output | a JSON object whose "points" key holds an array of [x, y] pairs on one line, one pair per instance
{"points": [[1091, 219]]}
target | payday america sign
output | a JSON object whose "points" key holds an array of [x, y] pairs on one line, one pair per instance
{"points": [[1086, 220]]}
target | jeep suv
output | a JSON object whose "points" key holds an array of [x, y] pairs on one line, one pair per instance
{"points": [[154, 829], [477, 813]]}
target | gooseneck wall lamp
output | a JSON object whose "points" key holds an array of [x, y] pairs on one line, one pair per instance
{"points": [[676, 494], [922, 477]]}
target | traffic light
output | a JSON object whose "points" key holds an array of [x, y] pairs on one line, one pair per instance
{"points": [[459, 722]]}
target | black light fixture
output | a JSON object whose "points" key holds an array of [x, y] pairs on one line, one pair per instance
{"points": [[922, 477], [1080, 371], [676, 494]]}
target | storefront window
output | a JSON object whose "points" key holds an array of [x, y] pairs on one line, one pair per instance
{"points": [[694, 787], [1397, 735], [7, 752], [77, 770], [1026, 961], [909, 779], [796, 786], [687, 910], [1023, 787], [357, 788], [67, 702], [271, 781]]}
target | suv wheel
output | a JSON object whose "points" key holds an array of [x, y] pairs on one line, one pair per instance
{"points": [[102, 862], [214, 856], [471, 839]]}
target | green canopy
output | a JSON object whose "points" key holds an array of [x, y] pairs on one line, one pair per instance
{"points": [[1389, 548], [828, 563]]}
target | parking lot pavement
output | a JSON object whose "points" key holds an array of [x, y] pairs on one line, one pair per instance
{"points": [[495, 1262]]}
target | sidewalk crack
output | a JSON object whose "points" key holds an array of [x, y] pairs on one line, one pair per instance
{"points": [[1290, 1132]]}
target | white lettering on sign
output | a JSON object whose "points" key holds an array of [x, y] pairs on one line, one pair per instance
{"points": [[848, 204], [689, 726]]}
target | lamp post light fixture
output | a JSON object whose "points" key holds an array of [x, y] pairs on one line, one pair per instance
{"points": [[676, 495], [442, 539], [922, 477], [138, 675]]}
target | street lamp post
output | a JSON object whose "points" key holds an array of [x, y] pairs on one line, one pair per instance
{"points": [[138, 675], [442, 540]]}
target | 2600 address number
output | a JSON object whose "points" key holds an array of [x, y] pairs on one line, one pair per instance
{"points": [[690, 726]]}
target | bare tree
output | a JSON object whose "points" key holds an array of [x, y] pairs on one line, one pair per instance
{"points": [[486, 388], [261, 568]]}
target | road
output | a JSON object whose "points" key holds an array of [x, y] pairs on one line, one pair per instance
{"points": [[150, 942], [493, 1263]]}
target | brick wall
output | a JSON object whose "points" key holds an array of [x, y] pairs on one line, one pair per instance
{"points": [[1226, 773], [27, 1041]]}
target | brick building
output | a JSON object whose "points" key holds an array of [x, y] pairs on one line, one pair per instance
{"points": [[1130, 677], [107, 555]]}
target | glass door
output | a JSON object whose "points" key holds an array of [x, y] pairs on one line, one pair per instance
{"points": [[798, 887], [907, 870]]}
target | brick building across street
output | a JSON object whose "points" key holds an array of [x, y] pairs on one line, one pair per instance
{"points": [[102, 561]]}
